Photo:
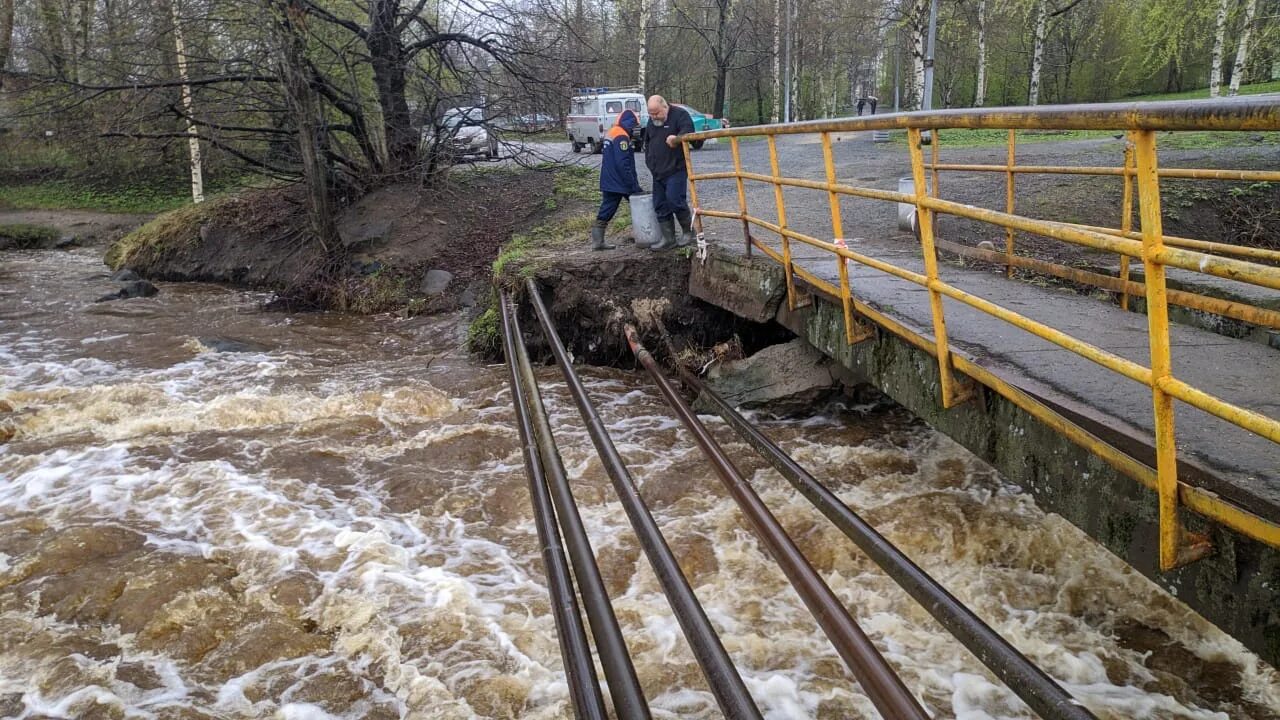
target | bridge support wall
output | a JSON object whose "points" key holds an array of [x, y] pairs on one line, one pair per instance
{"points": [[1237, 588]]}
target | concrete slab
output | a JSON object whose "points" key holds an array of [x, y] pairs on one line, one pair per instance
{"points": [[1221, 456]]}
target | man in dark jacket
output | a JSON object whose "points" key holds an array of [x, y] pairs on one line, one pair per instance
{"points": [[665, 158], [617, 174]]}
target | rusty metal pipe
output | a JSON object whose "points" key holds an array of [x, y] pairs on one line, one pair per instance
{"points": [[584, 687], [624, 687], [877, 677], [1041, 693], [726, 684]]}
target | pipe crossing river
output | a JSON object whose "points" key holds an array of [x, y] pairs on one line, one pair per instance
{"points": [[209, 509]]}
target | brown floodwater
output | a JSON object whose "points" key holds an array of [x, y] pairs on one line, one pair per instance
{"points": [[334, 523]]}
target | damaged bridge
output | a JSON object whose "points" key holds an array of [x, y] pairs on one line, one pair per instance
{"points": [[1137, 398]]}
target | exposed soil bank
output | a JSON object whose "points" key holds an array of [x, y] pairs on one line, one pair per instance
{"points": [[390, 240], [592, 296]]}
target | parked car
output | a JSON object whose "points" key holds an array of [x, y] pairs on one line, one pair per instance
{"points": [[702, 121], [536, 123], [593, 111], [466, 132]]}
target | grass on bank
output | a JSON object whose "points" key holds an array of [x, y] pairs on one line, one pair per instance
{"points": [[181, 225], [575, 190], [25, 237], [1203, 93], [1180, 140], [72, 195]]}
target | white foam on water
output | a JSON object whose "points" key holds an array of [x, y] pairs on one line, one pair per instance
{"points": [[414, 528]]}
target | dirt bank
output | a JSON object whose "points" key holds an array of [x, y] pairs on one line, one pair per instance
{"points": [[592, 296], [400, 247]]}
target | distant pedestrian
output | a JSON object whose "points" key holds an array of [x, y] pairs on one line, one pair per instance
{"points": [[618, 178], [861, 103], [665, 159], [873, 100]]}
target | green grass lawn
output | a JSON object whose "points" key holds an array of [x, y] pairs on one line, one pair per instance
{"points": [[1255, 89], [1183, 140], [69, 195]]}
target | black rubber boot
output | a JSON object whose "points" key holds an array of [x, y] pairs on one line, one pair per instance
{"points": [[686, 228], [668, 228], [597, 237]]}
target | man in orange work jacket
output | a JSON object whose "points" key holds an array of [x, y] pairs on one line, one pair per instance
{"points": [[618, 178]]}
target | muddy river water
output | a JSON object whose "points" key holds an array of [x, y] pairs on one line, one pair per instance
{"points": [[333, 522]]}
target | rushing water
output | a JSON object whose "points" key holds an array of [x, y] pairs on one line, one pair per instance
{"points": [[336, 524]]}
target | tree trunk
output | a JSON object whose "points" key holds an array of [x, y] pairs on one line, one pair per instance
{"points": [[83, 30], [643, 30], [188, 106], [387, 56], [980, 95], [55, 37], [777, 61], [1219, 41], [6, 36], [760, 116], [1037, 53], [1242, 52], [919, 26], [721, 56], [305, 108]]}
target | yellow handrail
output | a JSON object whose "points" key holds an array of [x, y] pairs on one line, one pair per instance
{"points": [[1148, 244]]}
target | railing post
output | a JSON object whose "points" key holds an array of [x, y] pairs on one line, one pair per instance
{"points": [[837, 232], [936, 138], [693, 189], [742, 192], [924, 218], [1126, 220], [1008, 203], [782, 221], [1173, 553]]}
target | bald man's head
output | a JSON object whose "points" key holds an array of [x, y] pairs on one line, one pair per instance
{"points": [[658, 108]]}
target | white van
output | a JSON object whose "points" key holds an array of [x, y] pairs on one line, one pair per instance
{"points": [[593, 111]]}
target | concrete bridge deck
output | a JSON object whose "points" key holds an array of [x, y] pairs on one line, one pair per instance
{"points": [[1238, 587], [1231, 461]]}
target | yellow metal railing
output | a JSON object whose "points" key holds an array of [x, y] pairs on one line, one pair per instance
{"points": [[1140, 171]]}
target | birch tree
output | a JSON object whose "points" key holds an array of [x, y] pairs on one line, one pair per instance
{"points": [[642, 59], [1219, 41], [777, 62], [1040, 34], [188, 106], [1242, 50], [980, 93], [1037, 52]]}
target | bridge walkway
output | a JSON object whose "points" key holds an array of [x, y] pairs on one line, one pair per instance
{"points": [[1236, 464]]}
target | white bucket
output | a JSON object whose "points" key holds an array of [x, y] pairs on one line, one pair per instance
{"points": [[907, 211], [644, 222]]}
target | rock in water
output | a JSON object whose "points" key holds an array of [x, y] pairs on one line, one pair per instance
{"points": [[125, 275], [134, 289], [435, 282], [228, 345], [792, 373]]}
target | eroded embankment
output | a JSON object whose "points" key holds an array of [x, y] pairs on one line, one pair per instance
{"points": [[592, 296]]}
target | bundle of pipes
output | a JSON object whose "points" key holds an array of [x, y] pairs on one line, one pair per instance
{"points": [[877, 678]]}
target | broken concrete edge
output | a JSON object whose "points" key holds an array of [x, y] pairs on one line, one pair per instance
{"points": [[1236, 588]]}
